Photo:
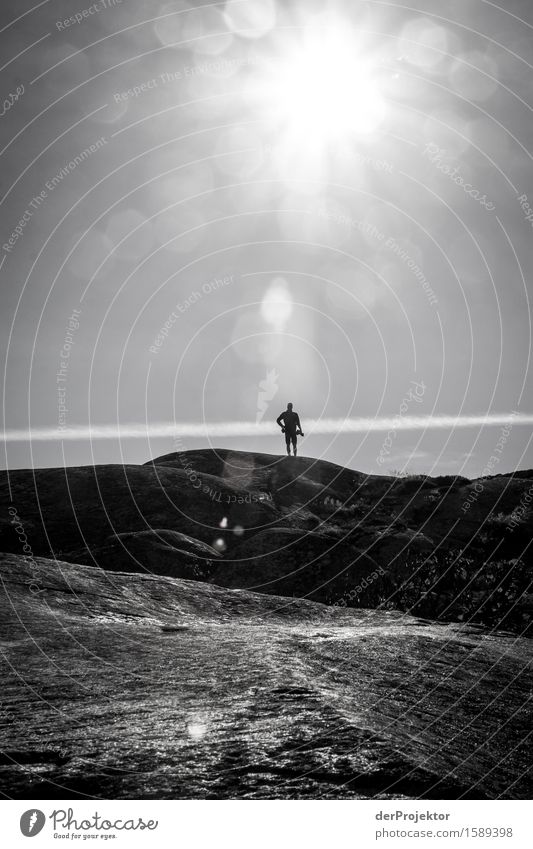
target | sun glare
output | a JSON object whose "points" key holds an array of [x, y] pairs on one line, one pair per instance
{"points": [[321, 90]]}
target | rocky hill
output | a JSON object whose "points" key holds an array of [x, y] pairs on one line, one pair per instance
{"points": [[447, 548], [120, 685]]}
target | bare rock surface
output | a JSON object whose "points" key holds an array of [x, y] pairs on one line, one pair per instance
{"points": [[445, 548], [121, 685]]}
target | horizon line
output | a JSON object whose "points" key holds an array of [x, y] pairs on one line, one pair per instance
{"points": [[318, 427]]}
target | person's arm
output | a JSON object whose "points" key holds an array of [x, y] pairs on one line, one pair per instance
{"points": [[298, 421], [278, 420]]}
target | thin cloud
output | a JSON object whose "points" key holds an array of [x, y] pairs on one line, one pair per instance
{"points": [[201, 430]]}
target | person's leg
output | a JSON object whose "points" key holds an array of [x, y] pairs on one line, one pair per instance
{"points": [[288, 443], [294, 445]]}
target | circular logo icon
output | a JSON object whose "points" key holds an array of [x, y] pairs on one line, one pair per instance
{"points": [[32, 822]]}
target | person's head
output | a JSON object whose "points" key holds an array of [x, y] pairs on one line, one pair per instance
{"points": [[289, 406]]}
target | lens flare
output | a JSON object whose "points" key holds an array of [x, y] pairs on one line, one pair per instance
{"points": [[276, 306], [320, 91]]}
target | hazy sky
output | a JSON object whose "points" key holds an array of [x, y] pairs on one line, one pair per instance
{"points": [[210, 210]]}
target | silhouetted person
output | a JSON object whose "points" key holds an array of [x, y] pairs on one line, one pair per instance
{"points": [[289, 422]]}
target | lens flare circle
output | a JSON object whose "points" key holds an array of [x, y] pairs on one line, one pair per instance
{"points": [[276, 306]]}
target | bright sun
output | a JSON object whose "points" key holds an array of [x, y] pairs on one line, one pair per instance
{"points": [[320, 91]]}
